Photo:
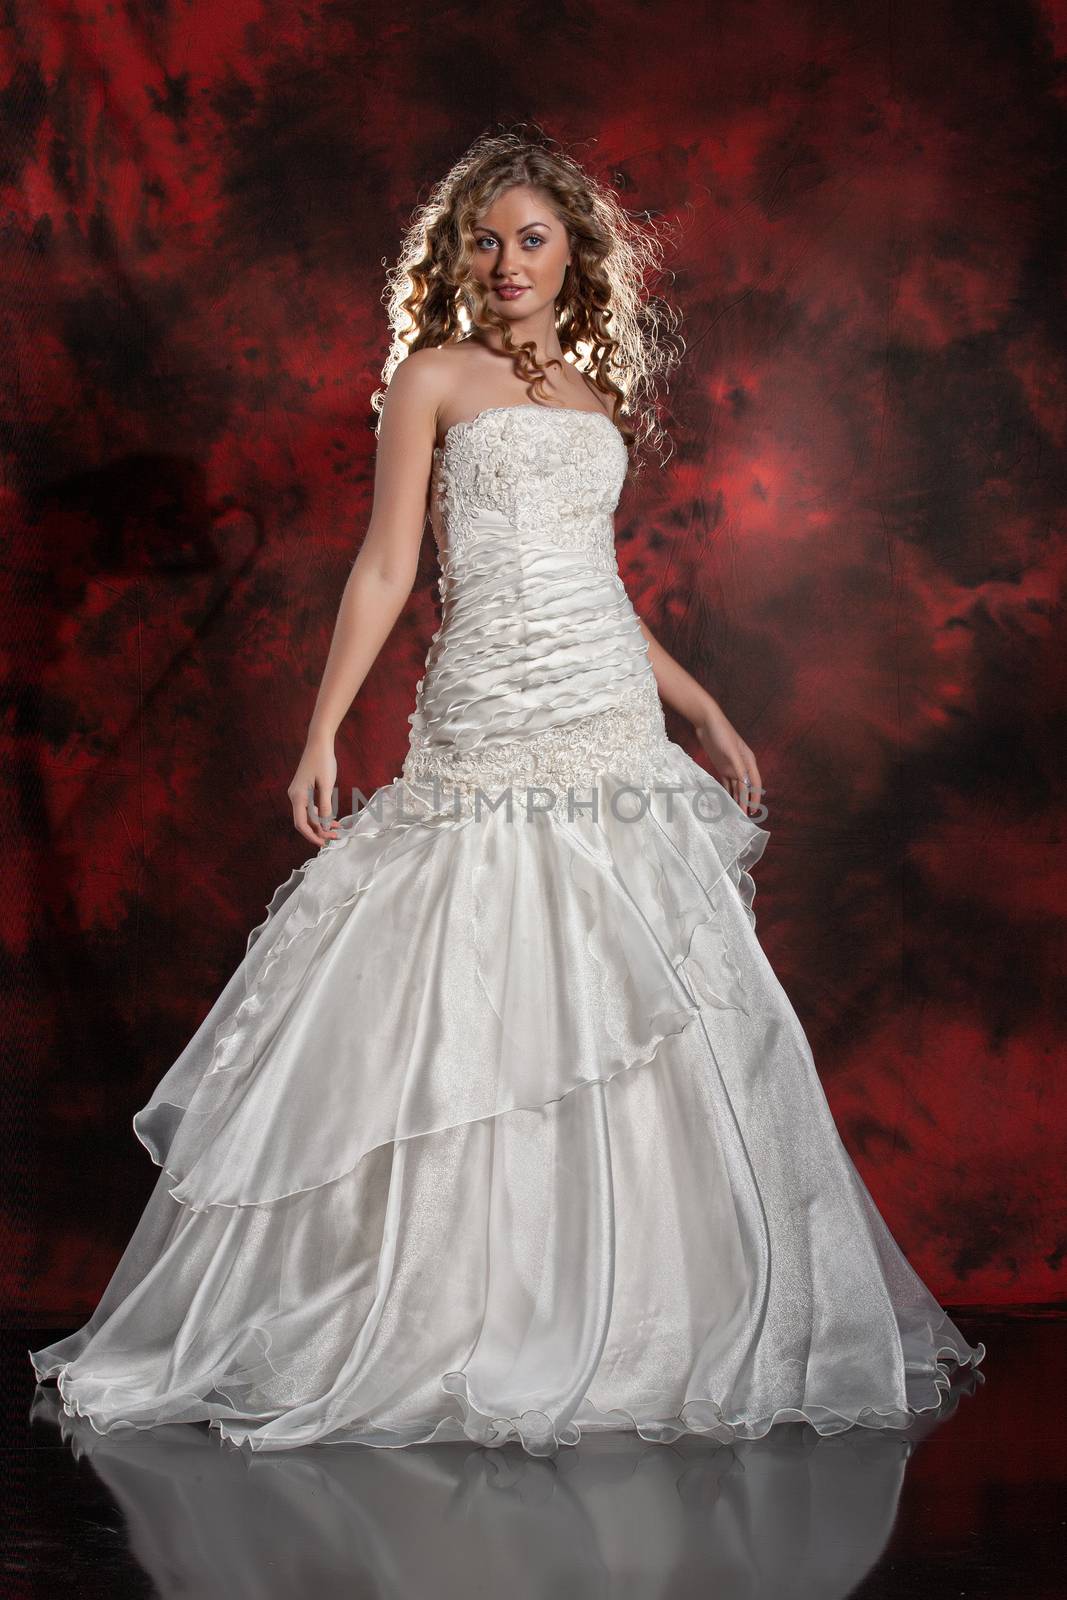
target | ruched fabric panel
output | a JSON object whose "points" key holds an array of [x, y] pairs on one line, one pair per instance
{"points": [[531, 637]]}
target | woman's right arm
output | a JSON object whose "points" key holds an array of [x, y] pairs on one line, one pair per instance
{"points": [[379, 583]]}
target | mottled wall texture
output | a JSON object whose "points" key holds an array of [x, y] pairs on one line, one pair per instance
{"points": [[857, 545]]}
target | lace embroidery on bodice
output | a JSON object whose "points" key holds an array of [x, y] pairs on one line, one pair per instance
{"points": [[559, 483]]}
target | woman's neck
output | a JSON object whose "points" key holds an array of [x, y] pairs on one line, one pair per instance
{"points": [[543, 334]]}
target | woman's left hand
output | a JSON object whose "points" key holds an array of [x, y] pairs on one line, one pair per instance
{"points": [[735, 765]]}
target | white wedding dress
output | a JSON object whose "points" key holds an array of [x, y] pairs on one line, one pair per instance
{"points": [[504, 1127]]}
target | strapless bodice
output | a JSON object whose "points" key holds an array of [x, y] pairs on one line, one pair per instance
{"points": [[539, 672], [547, 475]]}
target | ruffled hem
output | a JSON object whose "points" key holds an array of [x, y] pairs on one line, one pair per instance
{"points": [[539, 1435]]}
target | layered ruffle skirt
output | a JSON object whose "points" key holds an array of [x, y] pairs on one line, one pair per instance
{"points": [[505, 1129]]}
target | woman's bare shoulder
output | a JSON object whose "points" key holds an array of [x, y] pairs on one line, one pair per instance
{"points": [[431, 376]]}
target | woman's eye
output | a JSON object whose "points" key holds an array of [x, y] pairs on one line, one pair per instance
{"points": [[531, 238]]}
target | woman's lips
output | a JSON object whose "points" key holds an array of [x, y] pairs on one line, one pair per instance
{"points": [[510, 292]]}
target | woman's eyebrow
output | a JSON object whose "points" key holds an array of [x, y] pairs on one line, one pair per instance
{"points": [[486, 229]]}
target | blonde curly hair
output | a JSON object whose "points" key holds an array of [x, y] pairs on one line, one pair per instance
{"points": [[623, 336]]}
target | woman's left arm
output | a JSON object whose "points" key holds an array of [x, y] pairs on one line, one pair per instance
{"points": [[734, 763]]}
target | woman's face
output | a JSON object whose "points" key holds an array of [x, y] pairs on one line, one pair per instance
{"points": [[520, 243]]}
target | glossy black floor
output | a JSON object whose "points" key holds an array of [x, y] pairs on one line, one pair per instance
{"points": [[968, 1503]]}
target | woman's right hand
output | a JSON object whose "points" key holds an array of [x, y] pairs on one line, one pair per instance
{"points": [[314, 782]]}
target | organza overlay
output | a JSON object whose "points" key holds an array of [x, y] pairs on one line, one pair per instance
{"points": [[504, 1128]]}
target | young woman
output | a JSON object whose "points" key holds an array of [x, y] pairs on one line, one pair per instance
{"points": [[504, 1127]]}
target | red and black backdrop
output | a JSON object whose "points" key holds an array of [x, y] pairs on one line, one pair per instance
{"points": [[857, 544]]}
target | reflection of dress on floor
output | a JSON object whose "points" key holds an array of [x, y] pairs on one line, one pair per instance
{"points": [[504, 1127], [760, 1518]]}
